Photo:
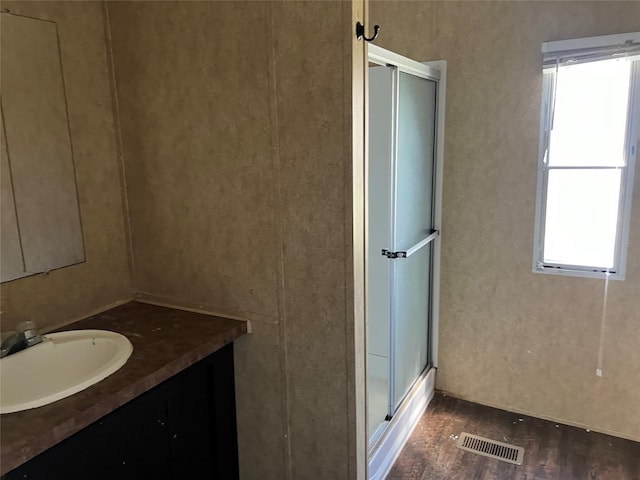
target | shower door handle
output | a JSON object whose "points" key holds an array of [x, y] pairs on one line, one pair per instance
{"points": [[405, 254]]}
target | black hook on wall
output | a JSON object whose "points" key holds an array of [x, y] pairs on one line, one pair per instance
{"points": [[360, 32]]}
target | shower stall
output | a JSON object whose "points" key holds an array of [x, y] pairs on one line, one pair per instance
{"points": [[406, 122]]}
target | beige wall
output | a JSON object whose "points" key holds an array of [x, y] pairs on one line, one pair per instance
{"points": [[237, 126], [508, 337], [237, 136], [64, 295]]}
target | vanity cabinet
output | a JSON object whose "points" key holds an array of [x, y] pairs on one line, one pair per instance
{"points": [[184, 428]]}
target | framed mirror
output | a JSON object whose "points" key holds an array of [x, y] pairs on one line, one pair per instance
{"points": [[41, 226]]}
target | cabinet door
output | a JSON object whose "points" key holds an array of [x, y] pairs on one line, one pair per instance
{"points": [[183, 429], [129, 444], [132, 443], [189, 420], [202, 420], [224, 430]]}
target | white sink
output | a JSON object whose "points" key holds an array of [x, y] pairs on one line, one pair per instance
{"points": [[63, 364]]}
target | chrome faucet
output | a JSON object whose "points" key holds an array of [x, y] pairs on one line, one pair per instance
{"points": [[26, 336]]}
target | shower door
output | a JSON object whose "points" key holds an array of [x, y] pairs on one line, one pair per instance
{"points": [[402, 233]]}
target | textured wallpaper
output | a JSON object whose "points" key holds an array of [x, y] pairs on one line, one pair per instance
{"points": [[508, 337], [71, 293]]}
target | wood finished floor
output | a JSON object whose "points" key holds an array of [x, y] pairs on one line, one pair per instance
{"points": [[552, 451]]}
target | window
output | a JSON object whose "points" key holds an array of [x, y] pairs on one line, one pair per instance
{"points": [[590, 127]]}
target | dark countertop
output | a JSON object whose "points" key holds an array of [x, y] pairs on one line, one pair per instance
{"points": [[165, 342]]}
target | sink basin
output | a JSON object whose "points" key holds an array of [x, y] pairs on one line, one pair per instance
{"points": [[63, 364]]}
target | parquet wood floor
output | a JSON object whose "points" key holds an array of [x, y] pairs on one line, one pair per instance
{"points": [[552, 451]]}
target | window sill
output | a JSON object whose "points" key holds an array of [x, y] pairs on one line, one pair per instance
{"points": [[567, 272]]}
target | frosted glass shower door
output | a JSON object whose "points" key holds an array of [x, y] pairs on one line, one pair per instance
{"points": [[402, 218], [402, 241], [381, 98], [413, 230]]}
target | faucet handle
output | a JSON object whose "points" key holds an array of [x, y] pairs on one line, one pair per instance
{"points": [[29, 332], [25, 326], [26, 336]]}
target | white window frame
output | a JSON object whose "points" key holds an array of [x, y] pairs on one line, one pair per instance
{"points": [[609, 46]]}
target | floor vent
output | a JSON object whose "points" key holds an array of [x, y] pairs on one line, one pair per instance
{"points": [[490, 448]]}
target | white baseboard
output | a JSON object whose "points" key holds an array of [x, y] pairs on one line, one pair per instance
{"points": [[387, 447]]}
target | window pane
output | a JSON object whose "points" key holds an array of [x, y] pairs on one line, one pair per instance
{"points": [[590, 114], [581, 217]]}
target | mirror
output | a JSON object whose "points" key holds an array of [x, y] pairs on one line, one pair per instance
{"points": [[40, 216]]}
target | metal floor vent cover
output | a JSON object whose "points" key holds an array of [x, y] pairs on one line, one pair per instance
{"points": [[490, 448]]}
